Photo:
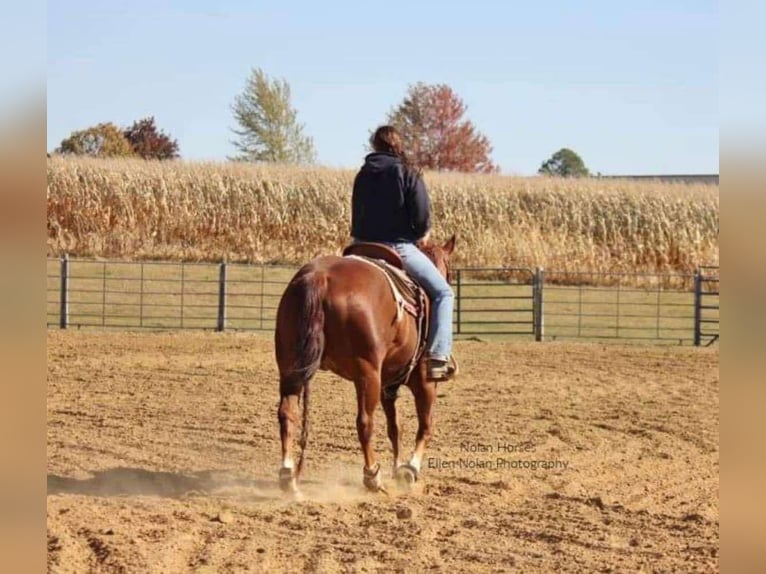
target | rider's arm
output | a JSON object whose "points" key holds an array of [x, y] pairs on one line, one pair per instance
{"points": [[418, 205], [356, 210]]}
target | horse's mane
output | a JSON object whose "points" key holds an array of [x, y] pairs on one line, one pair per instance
{"points": [[431, 250]]}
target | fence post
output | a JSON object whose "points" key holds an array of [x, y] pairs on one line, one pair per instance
{"points": [[697, 308], [141, 299], [222, 297], [459, 299], [64, 296], [263, 279], [537, 304]]}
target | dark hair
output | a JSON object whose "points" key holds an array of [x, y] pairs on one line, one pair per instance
{"points": [[387, 139]]}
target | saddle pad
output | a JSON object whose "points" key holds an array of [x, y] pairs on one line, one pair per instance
{"points": [[404, 289]]}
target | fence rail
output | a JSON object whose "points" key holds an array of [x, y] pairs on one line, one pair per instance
{"points": [[508, 301]]}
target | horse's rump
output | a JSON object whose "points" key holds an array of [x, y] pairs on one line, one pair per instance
{"points": [[352, 302]]}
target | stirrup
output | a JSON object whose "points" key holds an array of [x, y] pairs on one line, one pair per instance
{"points": [[443, 372]]}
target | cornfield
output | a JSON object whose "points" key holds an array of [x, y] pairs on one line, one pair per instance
{"points": [[133, 209]]}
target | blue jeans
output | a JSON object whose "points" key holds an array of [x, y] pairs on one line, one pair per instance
{"points": [[417, 264]]}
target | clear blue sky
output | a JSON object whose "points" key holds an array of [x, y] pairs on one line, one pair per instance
{"points": [[631, 86]]}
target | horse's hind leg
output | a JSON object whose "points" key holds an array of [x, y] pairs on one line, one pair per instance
{"points": [[368, 395], [299, 346], [425, 396], [392, 423], [288, 419]]}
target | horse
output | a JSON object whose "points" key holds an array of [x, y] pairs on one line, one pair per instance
{"points": [[339, 314]]}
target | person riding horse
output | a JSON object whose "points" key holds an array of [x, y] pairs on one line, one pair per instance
{"points": [[343, 313], [390, 205]]}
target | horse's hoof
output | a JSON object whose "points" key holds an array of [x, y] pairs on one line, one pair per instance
{"points": [[407, 475], [287, 481], [372, 480]]}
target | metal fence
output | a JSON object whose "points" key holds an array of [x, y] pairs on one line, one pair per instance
{"points": [[706, 305], [495, 301], [509, 301], [619, 306], [164, 295]]}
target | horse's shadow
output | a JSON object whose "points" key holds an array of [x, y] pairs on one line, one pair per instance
{"points": [[124, 481]]}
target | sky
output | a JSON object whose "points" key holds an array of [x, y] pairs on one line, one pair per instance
{"points": [[631, 86]]}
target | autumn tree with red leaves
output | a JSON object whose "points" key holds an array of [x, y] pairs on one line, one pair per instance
{"points": [[150, 143], [430, 119]]}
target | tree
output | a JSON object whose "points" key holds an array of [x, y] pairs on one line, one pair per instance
{"points": [[268, 126], [564, 163], [435, 135], [103, 140], [149, 143]]}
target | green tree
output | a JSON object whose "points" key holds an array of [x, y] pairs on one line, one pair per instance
{"points": [[103, 140], [150, 143], [268, 126], [564, 163]]}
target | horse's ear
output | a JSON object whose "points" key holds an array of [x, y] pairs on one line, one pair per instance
{"points": [[449, 247]]}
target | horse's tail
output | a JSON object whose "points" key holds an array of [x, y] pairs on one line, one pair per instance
{"points": [[307, 310]]}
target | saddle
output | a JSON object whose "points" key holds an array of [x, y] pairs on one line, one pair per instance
{"points": [[410, 297], [375, 251]]}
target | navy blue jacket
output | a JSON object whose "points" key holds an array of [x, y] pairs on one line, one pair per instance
{"points": [[390, 202]]}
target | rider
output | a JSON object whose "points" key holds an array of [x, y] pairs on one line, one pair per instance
{"points": [[390, 205]]}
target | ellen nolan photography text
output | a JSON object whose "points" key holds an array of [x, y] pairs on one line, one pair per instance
{"points": [[496, 455]]}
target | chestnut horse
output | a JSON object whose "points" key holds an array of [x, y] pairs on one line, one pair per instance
{"points": [[338, 314]]}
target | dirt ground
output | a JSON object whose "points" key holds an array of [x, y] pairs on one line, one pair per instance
{"points": [[163, 452]]}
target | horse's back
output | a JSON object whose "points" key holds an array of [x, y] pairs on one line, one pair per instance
{"points": [[342, 273]]}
